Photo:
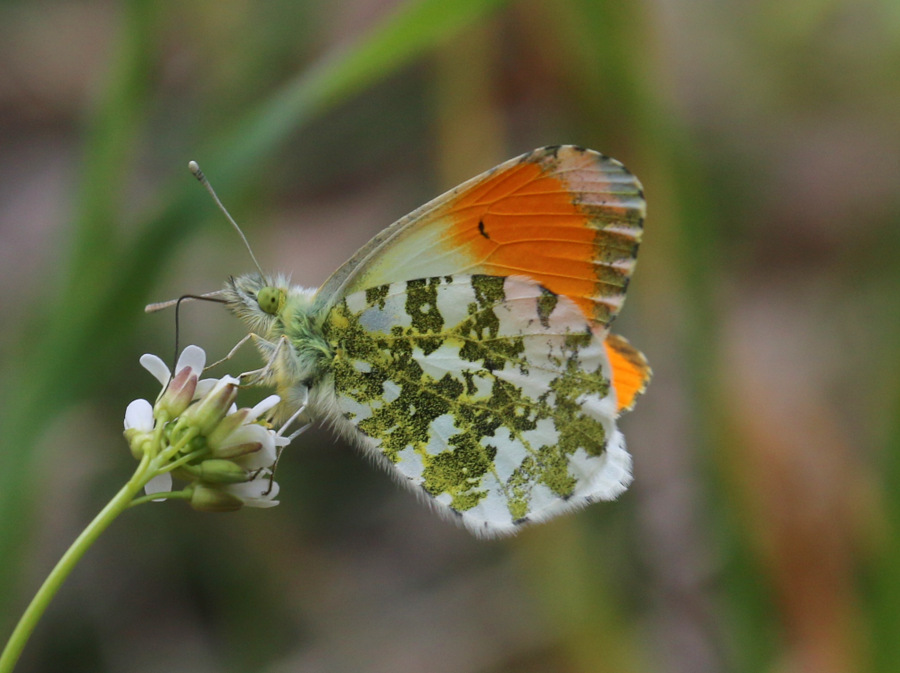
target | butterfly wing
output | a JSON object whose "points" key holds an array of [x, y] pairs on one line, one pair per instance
{"points": [[566, 217], [491, 395]]}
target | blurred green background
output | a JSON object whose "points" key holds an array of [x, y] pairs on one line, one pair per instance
{"points": [[761, 533]]}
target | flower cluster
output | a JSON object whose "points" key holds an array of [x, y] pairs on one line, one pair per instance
{"points": [[195, 432]]}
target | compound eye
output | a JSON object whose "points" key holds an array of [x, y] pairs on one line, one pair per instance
{"points": [[270, 300]]}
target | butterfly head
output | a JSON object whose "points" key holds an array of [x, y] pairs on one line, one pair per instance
{"points": [[257, 300]]}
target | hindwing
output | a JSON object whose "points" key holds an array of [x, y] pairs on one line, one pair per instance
{"points": [[490, 394]]}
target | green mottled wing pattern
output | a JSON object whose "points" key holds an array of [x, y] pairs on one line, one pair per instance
{"points": [[490, 394]]}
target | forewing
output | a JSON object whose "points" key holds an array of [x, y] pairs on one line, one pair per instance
{"points": [[490, 394], [568, 218]]}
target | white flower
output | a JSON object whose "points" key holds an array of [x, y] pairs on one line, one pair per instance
{"points": [[139, 416], [258, 492], [192, 357], [240, 437], [180, 391], [161, 483], [139, 424], [225, 453]]}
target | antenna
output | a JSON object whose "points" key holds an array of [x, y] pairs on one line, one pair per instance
{"points": [[215, 296], [202, 297], [195, 169]]}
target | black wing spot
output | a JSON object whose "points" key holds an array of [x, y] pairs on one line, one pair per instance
{"points": [[482, 231]]}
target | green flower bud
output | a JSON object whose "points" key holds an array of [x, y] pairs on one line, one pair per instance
{"points": [[217, 471], [210, 499], [138, 441], [196, 444], [237, 450], [206, 414], [228, 425]]}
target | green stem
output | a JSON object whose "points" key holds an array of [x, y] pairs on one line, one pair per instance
{"points": [[120, 502], [171, 495]]}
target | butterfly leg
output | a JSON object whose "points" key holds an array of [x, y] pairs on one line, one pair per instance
{"points": [[294, 417], [283, 441], [272, 352], [231, 353]]}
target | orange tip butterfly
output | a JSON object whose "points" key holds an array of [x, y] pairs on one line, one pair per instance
{"points": [[467, 348]]}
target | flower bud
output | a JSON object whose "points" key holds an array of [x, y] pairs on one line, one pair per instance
{"points": [[138, 441], [206, 414], [238, 450], [217, 471], [210, 499], [250, 438], [139, 426], [218, 437], [179, 393]]}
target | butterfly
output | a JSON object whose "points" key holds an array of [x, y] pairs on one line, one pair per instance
{"points": [[467, 348]]}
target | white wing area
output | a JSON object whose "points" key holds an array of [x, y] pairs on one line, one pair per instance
{"points": [[491, 396]]}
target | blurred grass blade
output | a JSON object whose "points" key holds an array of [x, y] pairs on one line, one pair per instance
{"points": [[881, 580], [36, 385], [414, 28]]}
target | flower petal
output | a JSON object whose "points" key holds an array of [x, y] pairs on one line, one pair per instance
{"points": [[155, 365], [265, 406], [260, 492], [204, 386], [193, 357], [139, 415], [161, 483], [254, 434]]}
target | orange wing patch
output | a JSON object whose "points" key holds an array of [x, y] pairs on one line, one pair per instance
{"points": [[630, 371], [569, 218]]}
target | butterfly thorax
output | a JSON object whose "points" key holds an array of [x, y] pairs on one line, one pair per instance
{"points": [[287, 323]]}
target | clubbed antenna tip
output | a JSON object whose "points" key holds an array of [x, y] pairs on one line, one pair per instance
{"points": [[194, 168]]}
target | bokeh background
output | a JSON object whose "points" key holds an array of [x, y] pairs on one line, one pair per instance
{"points": [[761, 533]]}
